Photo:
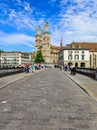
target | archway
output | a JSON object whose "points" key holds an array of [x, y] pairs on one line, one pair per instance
{"points": [[82, 64], [76, 64], [70, 64]]}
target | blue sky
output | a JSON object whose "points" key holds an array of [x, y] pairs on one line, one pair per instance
{"points": [[74, 20]]}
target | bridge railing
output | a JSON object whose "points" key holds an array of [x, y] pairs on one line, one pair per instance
{"points": [[87, 71], [10, 71]]}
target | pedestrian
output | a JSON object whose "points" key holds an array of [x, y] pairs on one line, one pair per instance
{"points": [[33, 68], [27, 69], [71, 68], [60, 68], [25, 66], [65, 67]]}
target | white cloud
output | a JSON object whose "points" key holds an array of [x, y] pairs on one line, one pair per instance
{"points": [[69, 32], [14, 39], [89, 38], [22, 17], [76, 21], [12, 14], [27, 7], [19, 2]]}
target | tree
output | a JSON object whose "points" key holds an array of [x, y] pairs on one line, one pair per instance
{"points": [[1, 51], [33, 55], [39, 57]]}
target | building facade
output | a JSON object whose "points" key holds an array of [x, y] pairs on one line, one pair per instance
{"points": [[15, 58], [42, 40], [79, 54], [75, 57]]}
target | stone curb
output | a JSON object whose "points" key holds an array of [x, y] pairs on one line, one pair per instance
{"points": [[12, 81], [19, 78], [84, 87]]}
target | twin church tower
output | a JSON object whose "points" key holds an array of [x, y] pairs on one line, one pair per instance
{"points": [[42, 40]]}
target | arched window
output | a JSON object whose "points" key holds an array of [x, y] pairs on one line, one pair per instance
{"points": [[70, 63], [76, 57], [69, 57]]}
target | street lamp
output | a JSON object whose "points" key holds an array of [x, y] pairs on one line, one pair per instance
{"points": [[70, 58], [5, 62], [94, 60]]}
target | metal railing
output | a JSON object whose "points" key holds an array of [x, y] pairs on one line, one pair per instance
{"points": [[91, 72], [10, 71]]}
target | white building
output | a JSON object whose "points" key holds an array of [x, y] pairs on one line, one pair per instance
{"points": [[15, 58], [79, 54], [74, 56]]}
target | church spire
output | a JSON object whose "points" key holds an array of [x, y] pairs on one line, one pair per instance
{"points": [[46, 27], [38, 32], [61, 43]]}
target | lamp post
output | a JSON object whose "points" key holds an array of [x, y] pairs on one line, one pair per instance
{"points": [[94, 60], [70, 56], [5, 62]]}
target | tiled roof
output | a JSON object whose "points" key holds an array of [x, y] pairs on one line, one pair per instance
{"points": [[87, 45], [55, 47]]}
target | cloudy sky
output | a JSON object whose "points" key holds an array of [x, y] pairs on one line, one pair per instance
{"points": [[74, 20]]}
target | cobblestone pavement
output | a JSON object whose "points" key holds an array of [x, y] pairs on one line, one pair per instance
{"points": [[47, 100], [4, 81]]}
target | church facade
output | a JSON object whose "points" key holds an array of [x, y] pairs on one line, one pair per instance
{"points": [[43, 43]]}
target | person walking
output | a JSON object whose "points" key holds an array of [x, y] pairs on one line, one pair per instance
{"points": [[25, 66], [65, 67], [27, 69], [33, 68]]}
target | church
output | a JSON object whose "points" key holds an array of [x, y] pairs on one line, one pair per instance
{"points": [[80, 54], [43, 43]]}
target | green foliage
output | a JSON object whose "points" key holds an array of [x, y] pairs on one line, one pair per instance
{"points": [[1, 51], [39, 57], [33, 55]]}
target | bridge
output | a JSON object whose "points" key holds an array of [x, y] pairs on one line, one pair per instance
{"points": [[48, 99]]}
